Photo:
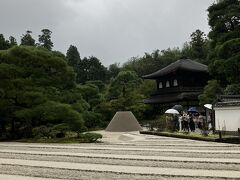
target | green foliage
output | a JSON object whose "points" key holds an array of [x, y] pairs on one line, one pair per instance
{"points": [[161, 123], [123, 84], [197, 48], [38, 88], [43, 132], [233, 89], [73, 57], [89, 92], [147, 87], [91, 119], [87, 69], [123, 93], [101, 86], [90, 69], [4, 44], [12, 41], [224, 19], [210, 93], [27, 39], [45, 39], [113, 70], [198, 42], [106, 111], [150, 63], [90, 137]]}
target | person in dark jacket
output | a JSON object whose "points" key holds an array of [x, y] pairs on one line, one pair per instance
{"points": [[191, 122]]}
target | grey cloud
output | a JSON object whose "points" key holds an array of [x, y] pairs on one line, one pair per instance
{"points": [[112, 30]]}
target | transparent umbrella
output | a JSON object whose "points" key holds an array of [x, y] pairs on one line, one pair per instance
{"points": [[209, 106], [171, 111]]}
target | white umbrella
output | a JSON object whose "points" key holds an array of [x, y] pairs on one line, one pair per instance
{"points": [[171, 111], [208, 106]]}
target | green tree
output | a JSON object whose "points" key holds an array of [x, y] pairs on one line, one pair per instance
{"points": [[12, 41], [90, 69], [198, 42], [73, 57], [210, 93], [123, 94], [232, 89], [45, 39], [224, 20], [150, 63], [197, 48], [113, 70], [37, 88], [124, 83], [27, 39], [4, 44]]}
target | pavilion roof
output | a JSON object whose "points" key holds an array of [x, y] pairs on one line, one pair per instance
{"points": [[181, 64]]}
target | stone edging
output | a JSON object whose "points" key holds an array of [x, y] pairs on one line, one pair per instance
{"points": [[232, 140]]}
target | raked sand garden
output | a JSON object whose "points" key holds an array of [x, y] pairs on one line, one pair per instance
{"points": [[121, 156]]}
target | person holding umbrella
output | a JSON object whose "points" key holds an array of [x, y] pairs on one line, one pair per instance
{"points": [[172, 121], [191, 111]]}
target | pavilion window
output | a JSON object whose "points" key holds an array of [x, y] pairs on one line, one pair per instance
{"points": [[167, 84], [175, 82], [160, 85]]}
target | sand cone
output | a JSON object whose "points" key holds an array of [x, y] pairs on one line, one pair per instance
{"points": [[123, 121]]}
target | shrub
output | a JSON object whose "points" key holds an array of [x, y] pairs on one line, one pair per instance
{"points": [[91, 119], [90, 137], [161, 123], [42, 132]]}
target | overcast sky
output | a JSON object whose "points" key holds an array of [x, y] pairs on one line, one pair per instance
{"points": [[111, 30]]}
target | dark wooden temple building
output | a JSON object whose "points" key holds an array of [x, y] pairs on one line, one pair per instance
{"points": [[179, 83]]}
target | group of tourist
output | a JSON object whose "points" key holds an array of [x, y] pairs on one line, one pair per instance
{"points": [[188, 122], [191, 121]]}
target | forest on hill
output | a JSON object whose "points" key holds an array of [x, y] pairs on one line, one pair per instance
{"points": [[45, 93]]}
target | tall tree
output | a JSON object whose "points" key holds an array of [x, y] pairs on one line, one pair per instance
{"points": [[210, 93], [27, 39], [90, 69], [124, 95], [198, 40], [36, 88], [73, 57], [113, 70], [45, 39], [4, 44], [12, 41], [150, 63], [224, 20], [197, 48], [123, 84]]}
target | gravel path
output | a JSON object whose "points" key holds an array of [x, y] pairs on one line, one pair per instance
{"points": [[121, 156]]}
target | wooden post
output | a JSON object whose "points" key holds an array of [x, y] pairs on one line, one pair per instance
{"points": [[220, 135]]}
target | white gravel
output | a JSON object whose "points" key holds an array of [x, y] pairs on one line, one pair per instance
{"points": [[121, 156]]}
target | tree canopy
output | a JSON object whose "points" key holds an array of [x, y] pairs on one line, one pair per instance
{"points": [[27, 39], [45, 39], [224, 20], [33, 84]]}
